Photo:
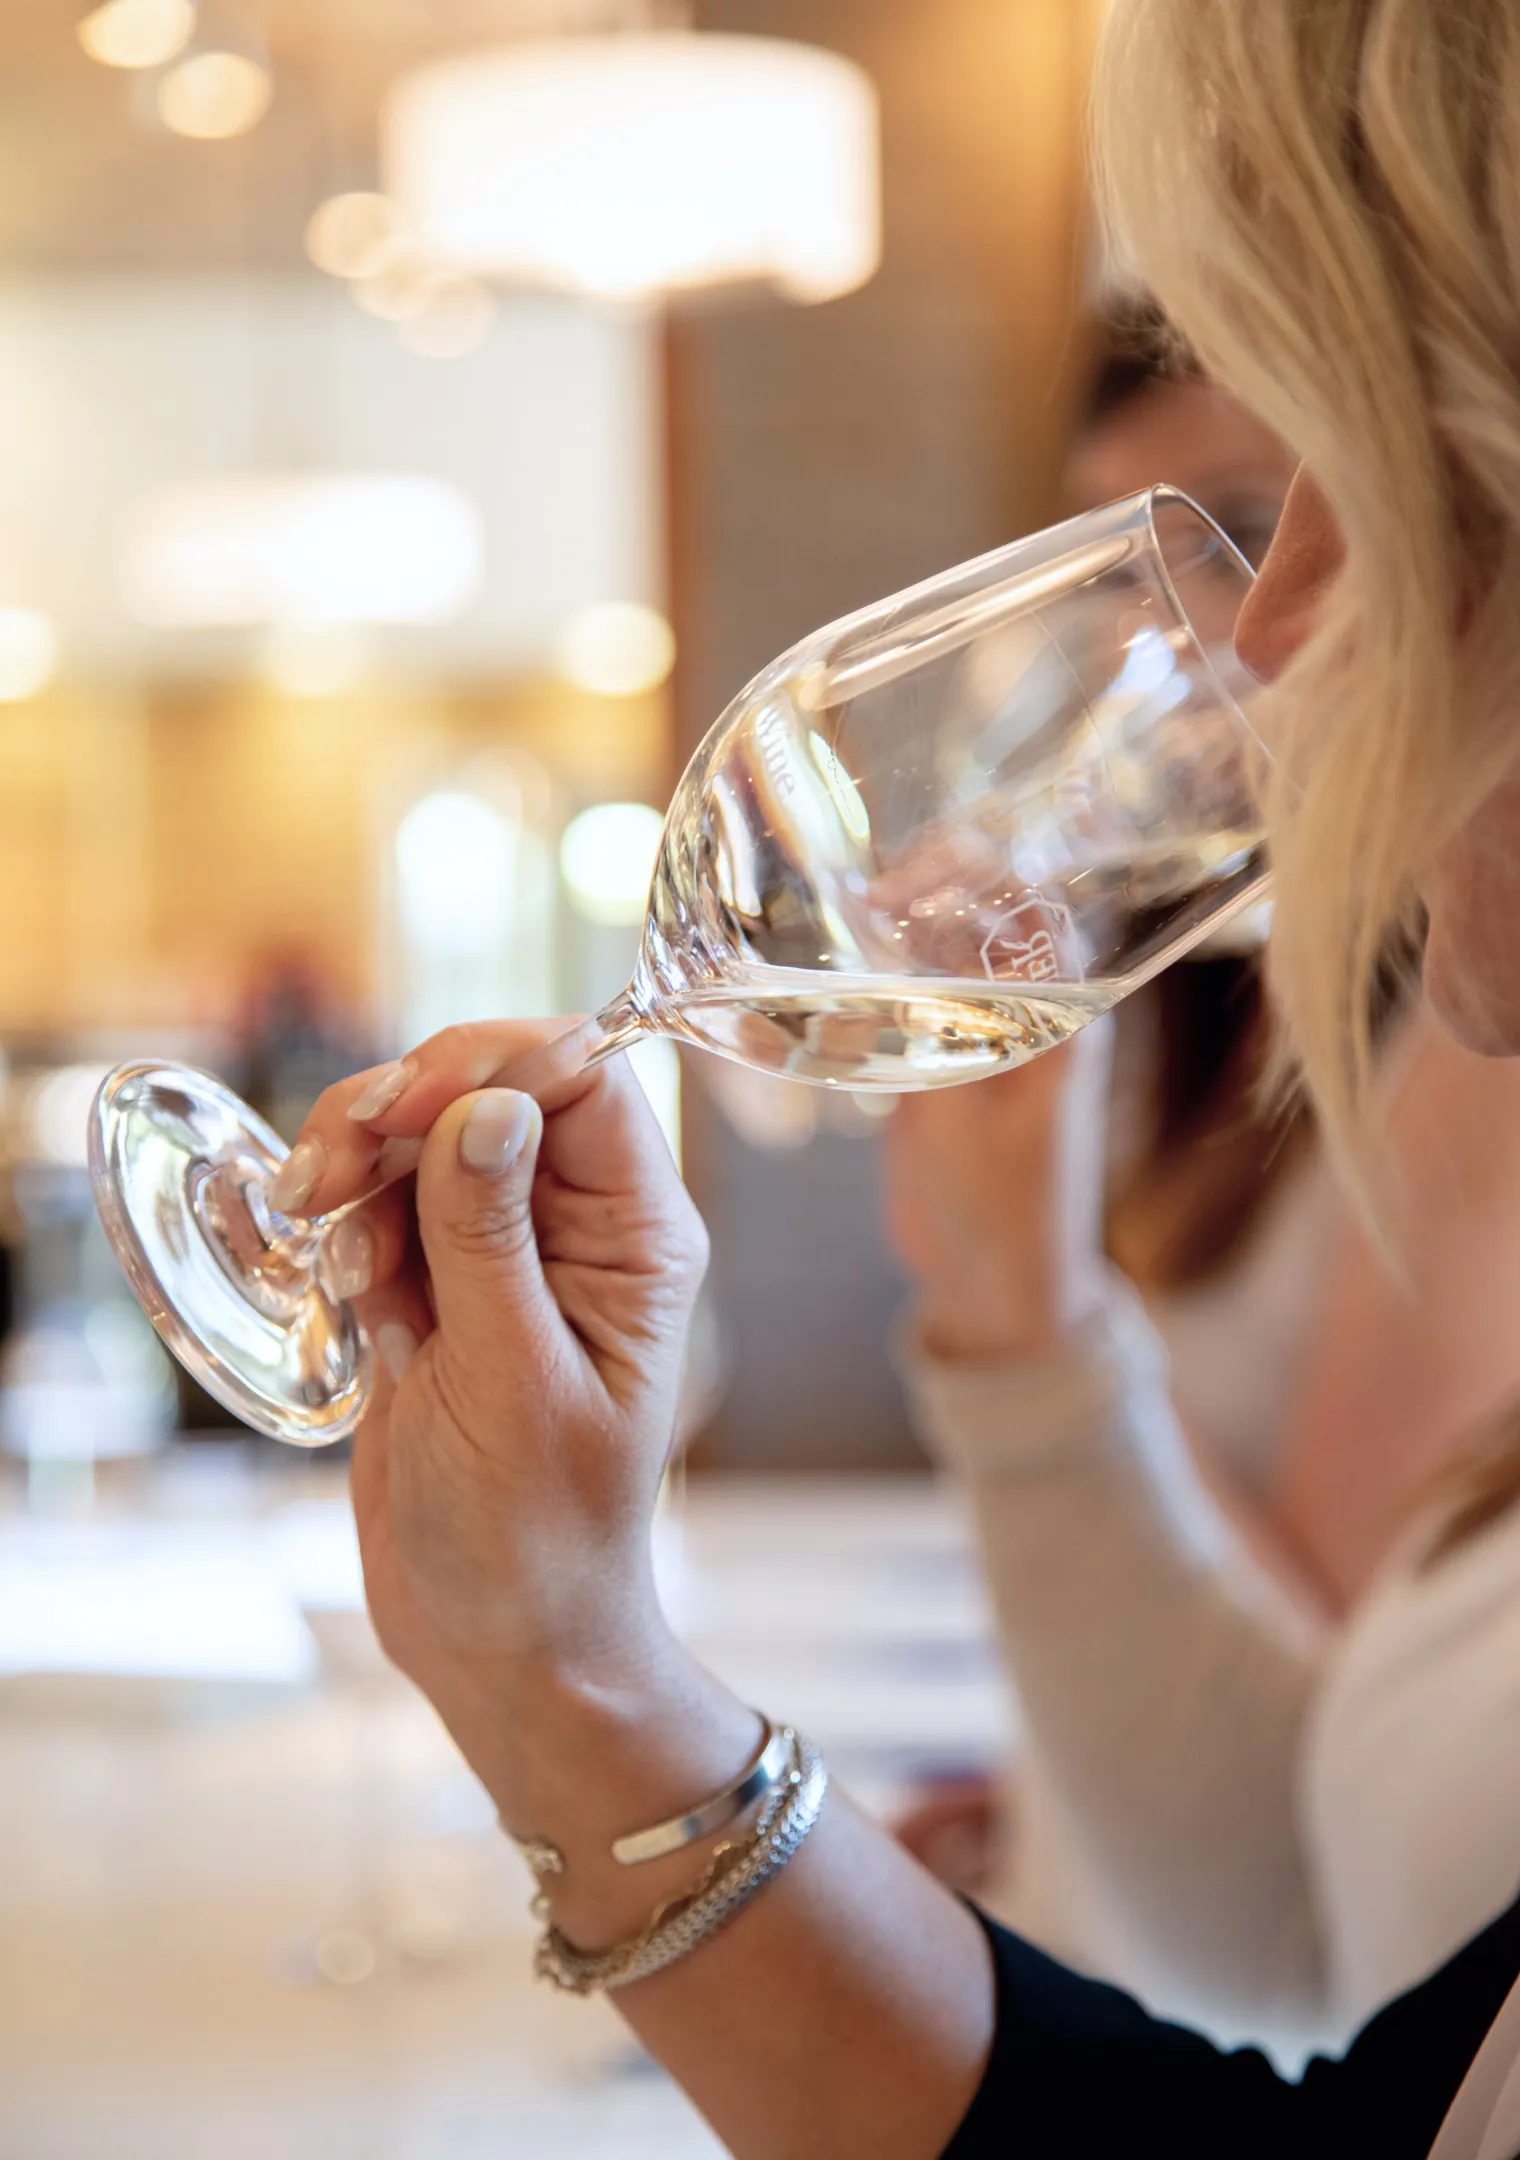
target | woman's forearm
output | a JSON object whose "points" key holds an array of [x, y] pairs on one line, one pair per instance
{"points": [[1164, 1682], [847, 2010]]}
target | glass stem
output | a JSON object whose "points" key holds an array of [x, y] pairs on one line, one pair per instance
{"points": [[620, 1024], [398, 1167]]}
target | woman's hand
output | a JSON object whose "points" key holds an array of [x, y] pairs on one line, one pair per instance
{"points": [[531, 1321], [995, 1202]]}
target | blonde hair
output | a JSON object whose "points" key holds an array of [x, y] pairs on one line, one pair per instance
{"points": [[1325, 197]]}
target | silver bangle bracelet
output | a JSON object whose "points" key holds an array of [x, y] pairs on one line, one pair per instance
{"points": [[764, 1771], [760, 1775], [785, 1823]]}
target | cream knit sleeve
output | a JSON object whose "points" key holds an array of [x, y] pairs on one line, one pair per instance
{"points": [[1162, 1681]]}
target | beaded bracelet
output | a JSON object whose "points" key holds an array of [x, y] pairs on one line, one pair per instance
{"points": [[734, 1875]]}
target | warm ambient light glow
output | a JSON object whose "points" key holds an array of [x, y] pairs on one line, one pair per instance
{"points": [[313, 660], [629, 166], [137, 33], [28, 654], [352, 235], [60, 1111], [607, 858], [310, 548], [455, 863], [617, 648], [213, 95], [398, 290], [455, 318], [438, 313]]}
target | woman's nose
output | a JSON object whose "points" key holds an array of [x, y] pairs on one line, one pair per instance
{"points": [[1302, 561]]}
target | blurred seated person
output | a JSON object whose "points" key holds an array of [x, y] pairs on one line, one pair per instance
{"points": [[295, 1038], [1300, 1873]]}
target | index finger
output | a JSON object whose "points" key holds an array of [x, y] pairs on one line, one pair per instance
{"points": [[339, 1155]]}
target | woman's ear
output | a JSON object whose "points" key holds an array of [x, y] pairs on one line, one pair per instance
{"points": [[1301, 563]]}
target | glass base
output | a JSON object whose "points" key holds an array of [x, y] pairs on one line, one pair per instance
{"points": [[180, 1169]]}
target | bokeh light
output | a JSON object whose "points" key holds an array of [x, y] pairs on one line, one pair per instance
{"points": [[455, 863], [137, 33], [399, 290], [214, 95], [617, 648], [28, 654], [607, 858], [352, 235], [59, 1113], [633, 165], [304, 548]]}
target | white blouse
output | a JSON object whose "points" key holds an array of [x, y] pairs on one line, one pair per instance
{"points": [[1260, 1831], [1410, 1773]]}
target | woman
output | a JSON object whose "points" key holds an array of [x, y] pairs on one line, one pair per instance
{"points": [[1301, 1872], [1290, 1343], [1319, 198]]}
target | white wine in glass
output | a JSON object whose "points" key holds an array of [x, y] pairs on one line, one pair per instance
{"points": [[930, 842]]}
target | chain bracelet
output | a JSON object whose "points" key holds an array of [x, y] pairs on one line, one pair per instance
{"points": [[723, 1892]]}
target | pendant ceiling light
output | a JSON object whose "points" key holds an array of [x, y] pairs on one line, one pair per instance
{"points": [[306, 548], [632, 166]]}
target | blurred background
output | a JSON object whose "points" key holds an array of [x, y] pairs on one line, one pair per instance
{"points": [[417, 420]]}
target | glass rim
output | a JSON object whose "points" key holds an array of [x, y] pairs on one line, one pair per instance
{"points": [[1164, 491]]}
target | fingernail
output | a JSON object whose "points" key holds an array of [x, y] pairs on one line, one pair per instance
{"points": [[296, 1179], [397, 1158], [397, 1346], [350, 1259], [386, 1086], [495, 1131]]}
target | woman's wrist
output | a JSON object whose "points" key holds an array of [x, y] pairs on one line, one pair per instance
{"points": [[984, 1317], [987, 1317], [962, 1335], [582, 1755]]}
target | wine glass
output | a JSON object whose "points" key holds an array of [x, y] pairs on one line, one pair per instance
{"points": [[930, 842]]}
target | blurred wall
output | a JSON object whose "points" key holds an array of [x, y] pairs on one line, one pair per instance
{"points": [[112, 387], [167, 821], [821, 458], [158, 846]]}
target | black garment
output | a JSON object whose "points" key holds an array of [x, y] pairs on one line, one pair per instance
{"points": [[1080, 2071]]}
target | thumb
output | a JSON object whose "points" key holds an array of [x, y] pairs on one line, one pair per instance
{"points": [[475, 1212]]}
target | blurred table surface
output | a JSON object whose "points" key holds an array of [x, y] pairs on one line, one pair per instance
{"points": [[252, 1903]]}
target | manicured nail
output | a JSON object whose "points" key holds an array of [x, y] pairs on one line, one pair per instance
{"points": [[350, 1258], [397, 1346], [296, 1179], [396, 1159], [387, 1085], [496, 1131]]}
